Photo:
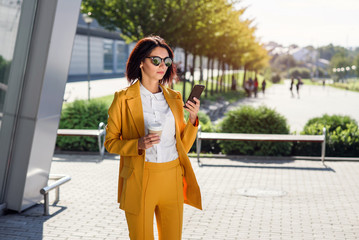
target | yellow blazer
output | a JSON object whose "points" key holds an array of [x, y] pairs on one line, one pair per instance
{"points": [[126, 125]]}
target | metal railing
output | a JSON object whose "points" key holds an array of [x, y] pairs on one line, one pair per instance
{"points": [[61, 179]]}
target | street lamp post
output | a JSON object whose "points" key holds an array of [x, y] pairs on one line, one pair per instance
{"points": [[88, 20]]}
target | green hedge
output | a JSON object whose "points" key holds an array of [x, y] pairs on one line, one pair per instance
{"points": [[333, 121], [275, 78], [299, 72], [81, 114], [342, 137], [262, 120]]}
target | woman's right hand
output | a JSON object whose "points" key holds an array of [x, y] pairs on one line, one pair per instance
{"points": [[148, 141]]}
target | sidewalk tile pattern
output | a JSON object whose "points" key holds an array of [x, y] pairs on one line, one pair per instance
{"points": [[317, 202]]}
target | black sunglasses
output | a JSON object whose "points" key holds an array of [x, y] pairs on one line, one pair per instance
{"points": [[157, 61]]}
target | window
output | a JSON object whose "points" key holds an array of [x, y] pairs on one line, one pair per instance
{"points": [[121, 57], [108, 56]]}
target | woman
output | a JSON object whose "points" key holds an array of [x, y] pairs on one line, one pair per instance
{"points": [[156, 176]]}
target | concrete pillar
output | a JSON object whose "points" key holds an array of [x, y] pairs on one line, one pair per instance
{"points": [[38, 113]]}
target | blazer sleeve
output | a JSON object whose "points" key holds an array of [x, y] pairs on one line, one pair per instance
{"points": [[188, 130], [114, 141]]}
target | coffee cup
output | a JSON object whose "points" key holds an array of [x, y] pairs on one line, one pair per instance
{"points": [[155, 128]]}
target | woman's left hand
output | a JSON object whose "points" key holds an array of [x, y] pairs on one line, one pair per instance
{"points": [[193, 109]]}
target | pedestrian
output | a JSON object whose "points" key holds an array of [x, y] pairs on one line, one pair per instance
{"points": [[191, 70], [247, 88], [264, 83], [255, 86], [234, 83], [250, 85], [291, 86], [156, 176], [299, 82]]}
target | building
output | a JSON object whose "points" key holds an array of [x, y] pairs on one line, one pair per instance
{"points": [[36, 41], [108, 52]]}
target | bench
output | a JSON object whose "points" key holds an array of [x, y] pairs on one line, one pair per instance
{"points": [[259, 137], [100, 133], [60, 180]]}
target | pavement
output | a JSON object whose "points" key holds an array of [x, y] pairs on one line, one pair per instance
{"points": [[243, 198], [312, 101]]}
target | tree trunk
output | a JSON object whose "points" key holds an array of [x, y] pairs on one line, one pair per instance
{"points": [[218, 77], [231, 78], [201, 69], [244, 76], [206, 90], [223, 78], [192, 69], [184, 76], [239, 76], [212, 76]]}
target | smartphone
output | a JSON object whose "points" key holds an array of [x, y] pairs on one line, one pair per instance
{"points": [[196, 92]]}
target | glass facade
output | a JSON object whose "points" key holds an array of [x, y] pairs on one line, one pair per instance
{"points": [[122, 50], [9, 22], [108, 56]]}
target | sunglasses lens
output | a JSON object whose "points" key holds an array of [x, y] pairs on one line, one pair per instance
{"points": [[168, 61], [156, 61]]}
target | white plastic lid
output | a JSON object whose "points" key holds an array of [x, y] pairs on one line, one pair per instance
{"points": [[155, 127]]}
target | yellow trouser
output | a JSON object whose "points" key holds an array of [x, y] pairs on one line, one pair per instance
{"points": [[163, 195]]}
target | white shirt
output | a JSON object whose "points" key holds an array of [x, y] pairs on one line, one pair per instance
{"points": [[156, 110]]}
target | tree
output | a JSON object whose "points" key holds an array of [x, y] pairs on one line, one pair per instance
{"points": [[356, 64], [327, 52], [211, 28], [139, 18], [283, 63], [340, 61]]}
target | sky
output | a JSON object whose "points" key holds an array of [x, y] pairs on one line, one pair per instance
{"points": [[305, 22]]}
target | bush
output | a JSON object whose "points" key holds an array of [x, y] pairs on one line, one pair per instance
{"points": [[81, 114], [333, 121], [4, 70], [255, 120], [300, 72], [275, 78], [342, 137], [344, 142]]}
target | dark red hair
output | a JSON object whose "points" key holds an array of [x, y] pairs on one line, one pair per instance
{"points": [[142, 49]]}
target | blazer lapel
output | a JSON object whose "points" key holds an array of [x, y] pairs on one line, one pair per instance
{"points": [[135, 106], [172, 100]]}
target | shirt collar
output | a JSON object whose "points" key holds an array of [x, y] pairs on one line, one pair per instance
{"points": [[145, 92]]}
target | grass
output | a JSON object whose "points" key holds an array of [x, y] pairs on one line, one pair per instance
{"points": [[351, 85], [309, 82]]}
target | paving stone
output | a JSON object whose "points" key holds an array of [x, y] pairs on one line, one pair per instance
{"points": [[320, 203]]}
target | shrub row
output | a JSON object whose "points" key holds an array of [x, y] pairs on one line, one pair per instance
{"points": [[342, 131], [254, 120], [300, 72], [81, 114], [342, 137]]}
